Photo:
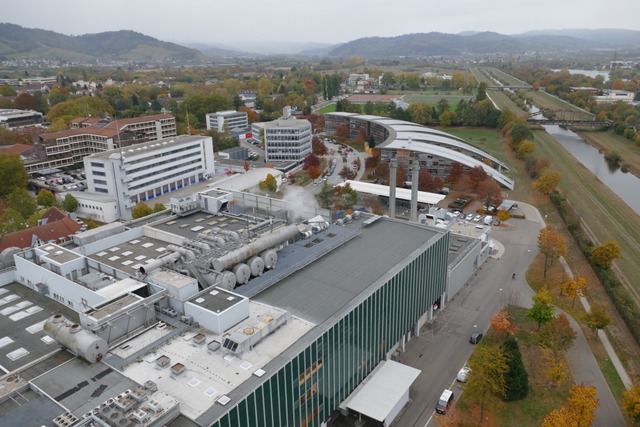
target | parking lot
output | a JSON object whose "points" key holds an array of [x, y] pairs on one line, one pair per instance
{"points": [[62, 181]]}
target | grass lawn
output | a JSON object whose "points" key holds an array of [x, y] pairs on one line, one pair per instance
{"points": [[453, 97], [326, 109]]}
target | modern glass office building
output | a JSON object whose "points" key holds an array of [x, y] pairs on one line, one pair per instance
{"points": [[367, 297]]}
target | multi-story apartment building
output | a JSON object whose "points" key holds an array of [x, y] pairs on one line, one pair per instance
{"points": [[287, 139], [90, 136], [19, 118], [145, 171], [229, 119]]}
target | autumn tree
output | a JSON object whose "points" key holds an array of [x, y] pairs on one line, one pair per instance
{"points": [[69, 203], [573, 287], [342, 132], [374, 205], [557, 335], [246, 166], [582, 404], [455, 173], [12, 174], [552, 246], [46, 198], [547, 181], [541, 311], [318, 147], [345, 197], [489, 193], [525, 148], [25, 101], [159, 207], [427, 182], [310, 160], [486, 382], [421, 113], [503, 215], [22, 202], [604, 254], [141, 210], [554, 367], [269, 184], [477, 175], [597, 318], [314, 172], [502, 323], [631, 403], [516, 377], [345, 173]]}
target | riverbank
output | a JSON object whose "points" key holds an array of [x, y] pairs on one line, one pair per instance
{"points": [[605, 141]]}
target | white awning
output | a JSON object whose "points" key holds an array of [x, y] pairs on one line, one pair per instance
{"points": [[401, 193], [382, 390]]}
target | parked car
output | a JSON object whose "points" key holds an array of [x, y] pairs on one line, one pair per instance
{"points": [[475, 338], [445, 401], [469, 217], [463, 374], [477, 218]]}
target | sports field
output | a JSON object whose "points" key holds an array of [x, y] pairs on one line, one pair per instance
{"points": [[453, 97]]}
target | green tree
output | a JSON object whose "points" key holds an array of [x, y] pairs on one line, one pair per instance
{"points": [[516, 377], [421, 113], [541, 311], [46, 198], [12, 174], [159, 207], [11, 221], [141, 210], [552, 245], [345, 197], [520, 132], [269, 185], [597, 318], [325, 196], [69, 203], [604, 254], [22, 202], [486, 382]]}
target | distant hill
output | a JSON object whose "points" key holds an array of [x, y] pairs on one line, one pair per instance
{"points": [[435, 44], [20, 42]]}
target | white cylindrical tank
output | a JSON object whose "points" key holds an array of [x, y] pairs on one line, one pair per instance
{"points": [[356, 214], [270, 258], [79, 341], [242, 272], [256, 264], [228, 280], [267, 241]]}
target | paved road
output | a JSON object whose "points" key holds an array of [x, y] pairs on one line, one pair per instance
{"points": [[443, 348]]}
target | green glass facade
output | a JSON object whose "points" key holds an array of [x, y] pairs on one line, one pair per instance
{"points": [[307, 389]]}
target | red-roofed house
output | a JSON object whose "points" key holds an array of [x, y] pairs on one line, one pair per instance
{"points": [[54, 226]]}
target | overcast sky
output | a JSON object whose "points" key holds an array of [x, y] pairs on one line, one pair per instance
{"points": [[236, 22]]}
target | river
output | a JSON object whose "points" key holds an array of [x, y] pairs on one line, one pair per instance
{"points": [[623, 184], [589, 73]]}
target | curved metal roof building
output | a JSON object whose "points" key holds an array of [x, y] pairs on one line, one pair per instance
{"points": [[426, 144]]}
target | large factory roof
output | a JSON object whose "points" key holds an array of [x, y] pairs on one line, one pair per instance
{"points": [[323, 289]]}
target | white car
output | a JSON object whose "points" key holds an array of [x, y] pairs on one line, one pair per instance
{"points": [[469, 217], [462, 374]]}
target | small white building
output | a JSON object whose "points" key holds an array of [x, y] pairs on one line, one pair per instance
{"points": [[145, 171], [232, 119], [95, 206], [615, 95]]}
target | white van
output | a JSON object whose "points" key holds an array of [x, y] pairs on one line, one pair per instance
{"points": [[446, 399], [488, 219]]}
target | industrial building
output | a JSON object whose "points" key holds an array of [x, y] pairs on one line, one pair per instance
{"points": [[435, 151], [145, 171], [14, 119], [214, 317]]}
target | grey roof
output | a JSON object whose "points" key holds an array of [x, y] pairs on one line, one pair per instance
{"points": [[325, 288], [143, 149]]}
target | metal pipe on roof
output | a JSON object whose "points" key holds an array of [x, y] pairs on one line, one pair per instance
{"points": [[160, 262], [189, 256], [254, 248], [393, 170], [234, 235]]}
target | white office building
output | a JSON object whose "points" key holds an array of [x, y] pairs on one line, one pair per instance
{"points": [[145, 171], [232, 119], [287, 139]]}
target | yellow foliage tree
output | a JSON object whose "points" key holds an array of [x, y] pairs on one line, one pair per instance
{"points": [[552, 246], [604, 254], [547, 182], [556, 369], [574, 287], [632, 403]]}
